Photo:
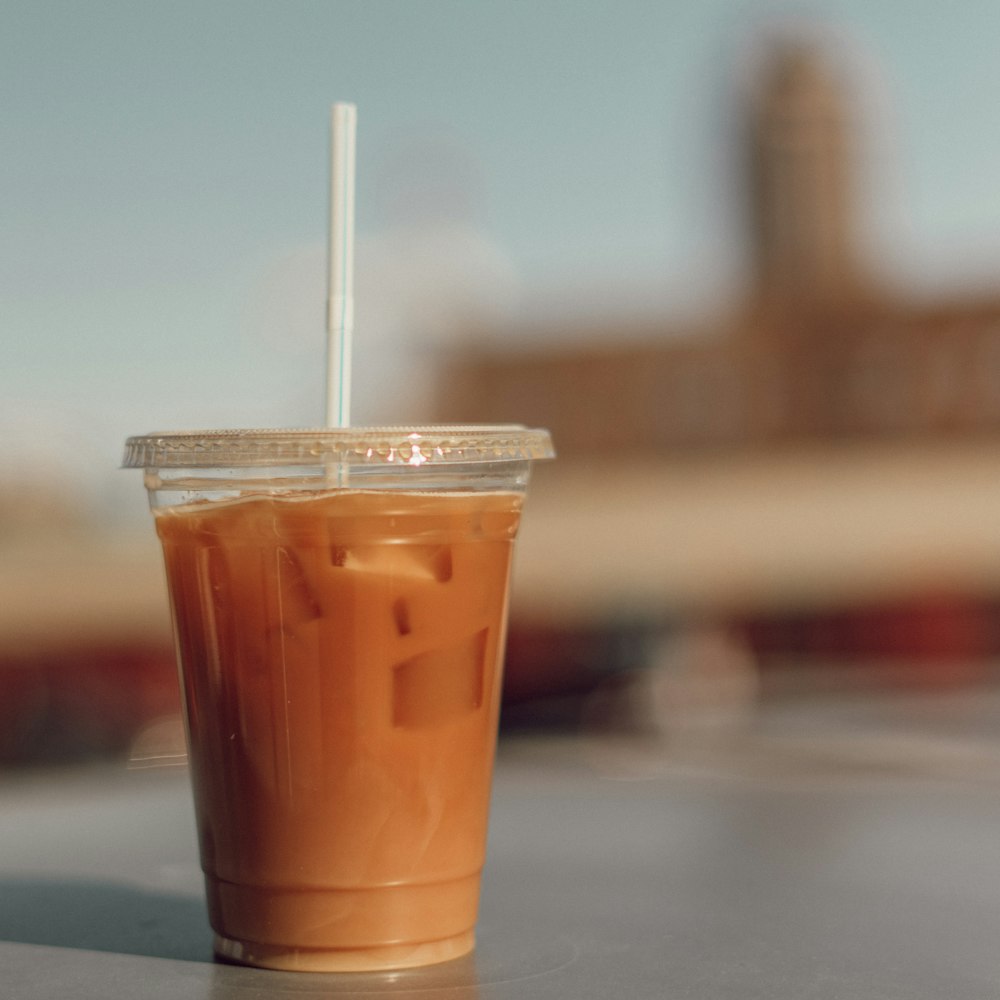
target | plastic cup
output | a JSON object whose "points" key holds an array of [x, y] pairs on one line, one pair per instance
{"points": [[339, 600]]}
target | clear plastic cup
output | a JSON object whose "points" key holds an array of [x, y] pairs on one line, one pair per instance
{"points": [[339, 600]]}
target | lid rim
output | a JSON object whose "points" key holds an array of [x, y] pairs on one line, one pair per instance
{"points": [[390, 445]]}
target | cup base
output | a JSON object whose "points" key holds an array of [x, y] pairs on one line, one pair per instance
{"points": [[343, 930], [384, 957]]}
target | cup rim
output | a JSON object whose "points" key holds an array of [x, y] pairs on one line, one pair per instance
{"points": [[351, 446]]}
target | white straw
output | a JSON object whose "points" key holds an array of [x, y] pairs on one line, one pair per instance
{"points": [[340, 300]]}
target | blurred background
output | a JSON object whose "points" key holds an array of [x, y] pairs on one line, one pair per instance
{"points": [[743, 259]]}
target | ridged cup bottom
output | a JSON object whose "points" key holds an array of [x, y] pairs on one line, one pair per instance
{"points": [[344, 930], [400, 956]]}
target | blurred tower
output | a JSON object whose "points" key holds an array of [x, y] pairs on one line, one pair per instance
{"points": [[801, 186]]}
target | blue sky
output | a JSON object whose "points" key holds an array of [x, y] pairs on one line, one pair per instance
{"points": [[164, 169]]}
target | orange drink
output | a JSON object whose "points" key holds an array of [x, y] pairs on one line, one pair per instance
{"points": [[340, 651]]}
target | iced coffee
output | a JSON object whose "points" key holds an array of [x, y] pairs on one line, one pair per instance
{"points": [[340, 638]]}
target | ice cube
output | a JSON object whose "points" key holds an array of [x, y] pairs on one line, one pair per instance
{"points": [[401, 616], [296, 602], [439, 559], [440, 685], [412, 562]]}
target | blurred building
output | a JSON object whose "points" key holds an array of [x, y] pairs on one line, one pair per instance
{"points": [[667, 506], [819, 352], [813, 471]]}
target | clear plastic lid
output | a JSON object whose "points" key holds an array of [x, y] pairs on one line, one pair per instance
{"points": [[351, 446]]}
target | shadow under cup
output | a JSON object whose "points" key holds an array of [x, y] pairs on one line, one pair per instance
{"points": [[339, 601]]}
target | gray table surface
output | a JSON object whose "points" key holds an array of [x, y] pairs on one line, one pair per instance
{"points": [[825, 855]]}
